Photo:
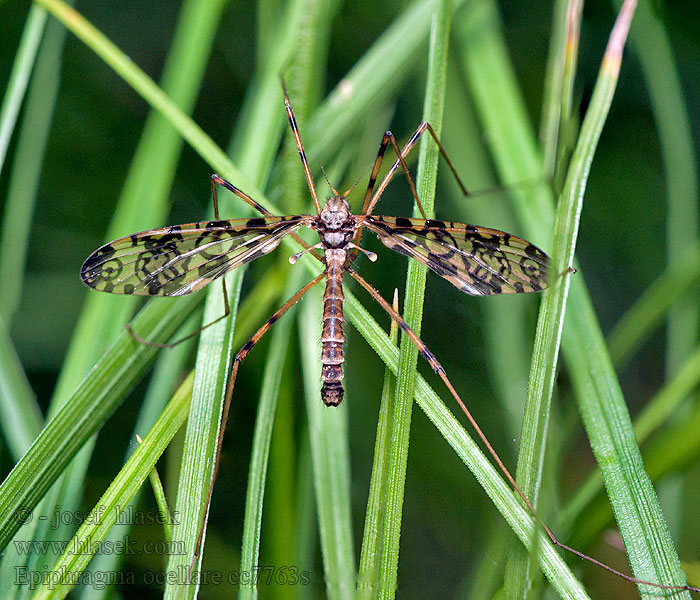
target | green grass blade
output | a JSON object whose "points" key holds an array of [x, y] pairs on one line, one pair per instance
{"points": [[20, 416], [413, 306], [530, 465], [656, 412], [167, 370], [568, 127], [94, 400], [573, 34], [265, 418], [609, 429], [103, 516], [262, 102], [551, 318], [283, 516], [550, 120], [27, 166], [632, 495], [306, 530], [635, 326], [19, 77], [330, 459], [368, 577], [373, 80], [212, 368], [558, 128], [162, 503]]}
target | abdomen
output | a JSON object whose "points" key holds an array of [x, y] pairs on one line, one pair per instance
{"points": [[332, 335]]}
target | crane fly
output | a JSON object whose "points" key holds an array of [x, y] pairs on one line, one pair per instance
{"points": [[181, 259]]}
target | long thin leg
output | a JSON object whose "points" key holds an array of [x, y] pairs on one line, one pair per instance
{"points": [[257, 206], [438, 368], [145, 342], [388, 136], [227, 309], [400, 162], [300, 148], [232, 188], [242, 353]]}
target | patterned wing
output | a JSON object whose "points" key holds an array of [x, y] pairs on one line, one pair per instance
{"points": [[477, 260], [181, 259]]}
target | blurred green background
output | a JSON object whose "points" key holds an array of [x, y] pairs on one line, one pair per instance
{"points": [[449, 526]]}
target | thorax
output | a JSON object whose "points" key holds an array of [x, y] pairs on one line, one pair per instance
{"points": [[336, 225]]}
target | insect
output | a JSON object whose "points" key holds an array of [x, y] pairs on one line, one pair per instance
{"points": [[181, 259]]}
